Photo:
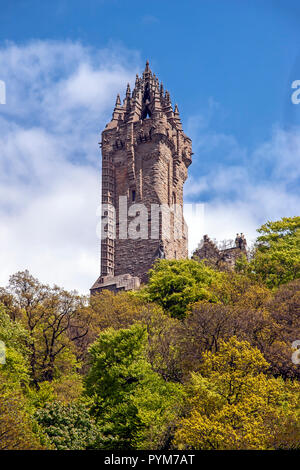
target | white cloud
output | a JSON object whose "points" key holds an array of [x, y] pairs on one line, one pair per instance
{"points": [[241, 197], [59, 97]]}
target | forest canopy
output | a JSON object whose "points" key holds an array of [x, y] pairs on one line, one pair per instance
{"points": [[198, 358]]}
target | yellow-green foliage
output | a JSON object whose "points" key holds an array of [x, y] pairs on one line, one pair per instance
{"points": [[176, 284], [197, 359], [233, 404], [277, 256]]}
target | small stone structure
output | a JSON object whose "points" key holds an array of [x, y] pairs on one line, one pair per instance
{"points": [[221, 258], [116, 283]]}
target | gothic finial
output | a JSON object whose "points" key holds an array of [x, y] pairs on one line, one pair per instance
{"points": [[128, 90], [147, 69], [118, 101], [177, 117]]}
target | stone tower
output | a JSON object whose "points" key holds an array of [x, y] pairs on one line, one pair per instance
{"points": [[145, 156]]}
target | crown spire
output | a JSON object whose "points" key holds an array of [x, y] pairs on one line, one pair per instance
{"points": [[161, 89], [118, 101], [177, 120], [147, 99], [147, 73], [118, 110]]}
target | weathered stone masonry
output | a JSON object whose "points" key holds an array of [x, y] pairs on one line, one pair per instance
{"points": [[223, 259], [145, 156]]}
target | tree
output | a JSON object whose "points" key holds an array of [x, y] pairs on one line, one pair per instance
{"points": [[54, 318], [16, 340], [176, 284], [159, 404], [118, 365], [163, 350], [68, 426], [233, 404], [121, 310], [210, 324], [277, 256], [241, 289], [17, 430], [283, 309], [133, 405]]}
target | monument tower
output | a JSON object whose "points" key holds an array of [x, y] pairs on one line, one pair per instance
{"points": [[145, 157]]}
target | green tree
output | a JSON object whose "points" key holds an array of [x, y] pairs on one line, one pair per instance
{"points": [[277, 256], [55, 320], [16, 340], [68, 426], [133, 405], [233, 404], [176, 284], [18, 431]]}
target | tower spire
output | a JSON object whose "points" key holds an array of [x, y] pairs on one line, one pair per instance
{"points": [[117, 113], [147, 72], [168, 106], [118, 101], [147, 99], [137, 81], [177, 120], [161, 89]]}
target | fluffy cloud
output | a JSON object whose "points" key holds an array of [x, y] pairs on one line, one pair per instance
{"points": [[244, 190], [59, 97]]}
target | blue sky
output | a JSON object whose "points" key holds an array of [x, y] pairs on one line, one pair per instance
{"points": [[241, 53], [229, 65]]}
